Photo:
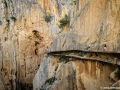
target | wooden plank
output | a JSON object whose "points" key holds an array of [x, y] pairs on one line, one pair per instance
{"points": [[92, 59], [87, 51]]}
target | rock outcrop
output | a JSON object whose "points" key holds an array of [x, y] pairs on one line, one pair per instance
{"points": [[27, 41]]}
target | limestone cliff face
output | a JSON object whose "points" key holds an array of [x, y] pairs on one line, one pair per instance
{"points": [[83, 56], [25, 37]]}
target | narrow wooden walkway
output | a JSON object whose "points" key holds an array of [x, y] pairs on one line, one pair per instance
{"points": [[87, 51], [113, 61]]}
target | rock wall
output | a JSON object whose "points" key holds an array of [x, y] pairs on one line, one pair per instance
{"points": [[25, 37], [73, 75], [94, 28]]}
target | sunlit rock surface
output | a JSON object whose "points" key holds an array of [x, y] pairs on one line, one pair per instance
{"points": [[25, 38]]}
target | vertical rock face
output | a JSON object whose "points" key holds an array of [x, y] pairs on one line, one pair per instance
{"points": [[93, 29], [73, 75], [25, 37]]}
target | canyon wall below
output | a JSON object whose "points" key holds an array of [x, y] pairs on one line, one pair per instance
{"points": [[36, 54]]}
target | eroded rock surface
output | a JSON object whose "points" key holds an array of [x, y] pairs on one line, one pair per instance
{"points": [[25, 38]]}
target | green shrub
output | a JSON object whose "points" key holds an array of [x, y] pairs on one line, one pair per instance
{"points": [[13, 18], [64, 21], [48, 18], [117, 73], [63, 58], [50, 80], [5, 3], [73, 2]]}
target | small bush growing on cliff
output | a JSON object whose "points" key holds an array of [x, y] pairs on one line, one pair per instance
{"points": [[48, 18], [73, 2], [50, 80], [13, 18], [5, 3], [117, 73], [63, 58], [64, 21]]}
